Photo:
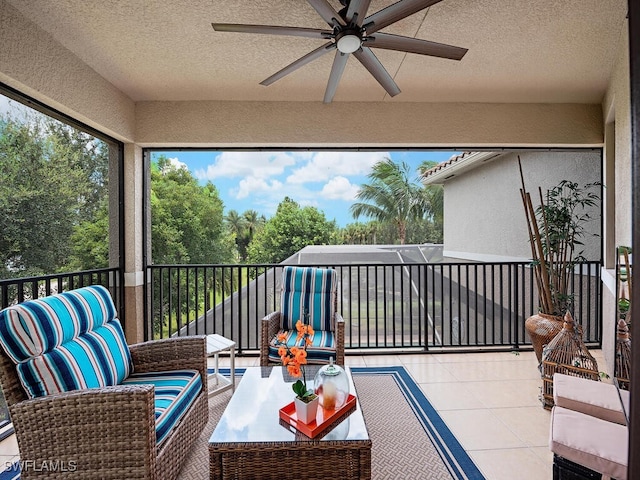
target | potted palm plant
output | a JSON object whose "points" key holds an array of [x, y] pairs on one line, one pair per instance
{"points": [[556, 227]]}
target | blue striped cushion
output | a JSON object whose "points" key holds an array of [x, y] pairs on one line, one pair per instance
{"points": [[318, 353], [98, 358], [175, 391], [38, 326], [310, 289], [65, 342]]}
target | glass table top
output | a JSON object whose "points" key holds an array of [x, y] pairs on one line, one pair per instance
{"points": [[252, 414]]}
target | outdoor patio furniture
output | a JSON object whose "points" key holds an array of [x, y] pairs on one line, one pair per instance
{"points": [[250, 440], [85, 404], [588, 429], [585, 447], [218, 383], [598, 399], [308, 294]]}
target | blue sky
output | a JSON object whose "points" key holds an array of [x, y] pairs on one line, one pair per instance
{"points": [[259, 181]]}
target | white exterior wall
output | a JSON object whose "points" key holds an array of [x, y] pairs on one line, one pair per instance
{"points": [[484, 217], [617, 114]]}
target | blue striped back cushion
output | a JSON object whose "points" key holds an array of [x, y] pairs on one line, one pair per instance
{"points": [[67, 341], [38, 326], [99, 358], [308, 289]]}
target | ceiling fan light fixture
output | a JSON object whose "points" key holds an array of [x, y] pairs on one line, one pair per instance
{"points": [[348, 43]]}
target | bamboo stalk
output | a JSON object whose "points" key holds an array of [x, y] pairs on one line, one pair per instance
{"points": [[545, 268], [534, 253], [540, 269]]}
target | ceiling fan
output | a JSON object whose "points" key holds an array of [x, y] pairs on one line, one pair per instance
{"points": [[352, 31]]}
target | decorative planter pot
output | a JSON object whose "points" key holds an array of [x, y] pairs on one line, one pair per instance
{"points": [[542, 328], [306, 412]]}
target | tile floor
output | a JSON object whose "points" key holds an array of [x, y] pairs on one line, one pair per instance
{"points": [[488, 400]]}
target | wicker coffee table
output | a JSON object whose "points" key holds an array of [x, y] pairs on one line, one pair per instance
{"points": [[251, 442]]}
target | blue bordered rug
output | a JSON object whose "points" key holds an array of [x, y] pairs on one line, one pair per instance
{"points": [[454, 457]]}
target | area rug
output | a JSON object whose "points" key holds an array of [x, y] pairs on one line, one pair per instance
{"points": [[409, 439]]}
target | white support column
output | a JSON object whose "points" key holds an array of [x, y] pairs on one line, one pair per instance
{"points": [[133, 242]]}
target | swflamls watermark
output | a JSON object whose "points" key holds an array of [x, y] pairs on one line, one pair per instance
{"points": [[42, 466]]}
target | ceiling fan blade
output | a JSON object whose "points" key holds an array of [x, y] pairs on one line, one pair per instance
{"points": [[273, 30], [326, 11], [309, 57], [371, 63], [414, 45], [395, 12], [339, 62], [359, 8]]}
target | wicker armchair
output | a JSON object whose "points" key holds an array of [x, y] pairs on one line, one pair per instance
{"points": [[312, 291], [107, 432]]}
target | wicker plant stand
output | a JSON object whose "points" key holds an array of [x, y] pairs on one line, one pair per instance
{"points": [[567, 354]]}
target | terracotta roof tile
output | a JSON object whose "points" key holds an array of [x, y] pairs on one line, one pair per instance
{"points": [[447, 163]]}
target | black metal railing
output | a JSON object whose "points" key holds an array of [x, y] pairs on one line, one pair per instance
{"points": [[411, 306], [18, 290]]}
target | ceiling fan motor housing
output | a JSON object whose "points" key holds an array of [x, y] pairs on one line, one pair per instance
{"points": [[348, 40]]}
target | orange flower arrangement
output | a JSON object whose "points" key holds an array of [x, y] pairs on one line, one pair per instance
{"points": [[295, 358]]}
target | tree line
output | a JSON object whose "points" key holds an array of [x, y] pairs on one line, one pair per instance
{"points": [[53, 197], [54, 208]]}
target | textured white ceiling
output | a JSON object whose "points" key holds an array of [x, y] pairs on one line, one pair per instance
{"points": [[548, 51]]}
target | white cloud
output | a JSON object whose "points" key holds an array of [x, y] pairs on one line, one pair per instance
{"points": [[326, 165], [178, 164], [256, 186], [245, 164], [339, 188]]}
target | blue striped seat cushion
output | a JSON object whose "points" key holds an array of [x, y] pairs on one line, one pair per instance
{"points": [[65, 342], [308, 289], [175, 392], [322, 348]]}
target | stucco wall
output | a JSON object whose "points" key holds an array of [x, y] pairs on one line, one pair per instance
{"points": [[32, 62], [616, 108], [301, 124], [484, 216], [616, 111]]}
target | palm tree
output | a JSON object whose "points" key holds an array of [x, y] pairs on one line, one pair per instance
{"points": [[235, 222], [434, 194], [253, 221], [391, 197]]}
